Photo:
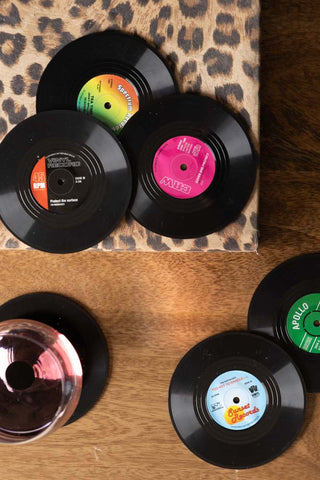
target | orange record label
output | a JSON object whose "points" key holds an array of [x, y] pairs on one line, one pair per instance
{"points": [[38, 183]]}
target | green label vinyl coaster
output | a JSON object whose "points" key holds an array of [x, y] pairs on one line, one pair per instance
{"points": [[303, 323]]}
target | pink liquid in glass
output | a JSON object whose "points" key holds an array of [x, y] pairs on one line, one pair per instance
{"points": [[40, 380]]}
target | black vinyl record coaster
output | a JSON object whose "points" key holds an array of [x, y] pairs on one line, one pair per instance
{"points": [[193, 165], [65, 182], [110, 75], [286, 307], [80, 328], [236, 400]]}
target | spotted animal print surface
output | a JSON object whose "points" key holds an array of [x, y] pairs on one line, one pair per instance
{"points": [[212, 45]]}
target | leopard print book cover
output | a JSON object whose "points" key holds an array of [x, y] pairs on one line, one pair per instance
{"points": [[213, 46]]}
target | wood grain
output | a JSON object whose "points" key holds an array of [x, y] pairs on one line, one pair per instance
{"points": [[154, 307]]}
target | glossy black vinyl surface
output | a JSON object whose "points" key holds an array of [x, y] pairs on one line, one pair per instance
{"points": [[281, 421], [108, 52], [236, 165], [272, 300], [108, 175], [80, 328]]}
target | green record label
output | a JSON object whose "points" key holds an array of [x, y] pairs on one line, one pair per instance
{"points": [[303, 323]]}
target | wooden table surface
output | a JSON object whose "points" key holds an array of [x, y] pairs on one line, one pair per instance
{"points": [[154, 307]]}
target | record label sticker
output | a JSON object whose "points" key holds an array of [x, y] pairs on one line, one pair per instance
{"points": [[236, 400], [109, 98], [60, 181], [184, 167], [303, 323]]}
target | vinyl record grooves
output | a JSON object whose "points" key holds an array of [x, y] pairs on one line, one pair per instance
{"points": [[110, 75], [65, 182], [193, 165], [73, 321], [286, 307], [236, 400]]}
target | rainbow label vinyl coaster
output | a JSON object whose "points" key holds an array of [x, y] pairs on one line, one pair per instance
{"points": [[109, 75]]}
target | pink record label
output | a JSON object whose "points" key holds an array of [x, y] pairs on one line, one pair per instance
{"points": [[184, 167]]}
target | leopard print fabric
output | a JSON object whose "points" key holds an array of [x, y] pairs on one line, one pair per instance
{"points": [[213, 46]]}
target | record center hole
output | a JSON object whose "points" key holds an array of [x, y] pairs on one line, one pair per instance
{"points": [[183, 166], [60, 181], [20, 375], [107, 105], [236, 400], [316, 323]]}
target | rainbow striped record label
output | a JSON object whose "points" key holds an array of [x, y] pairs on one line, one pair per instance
{"points": [[109, 98]]}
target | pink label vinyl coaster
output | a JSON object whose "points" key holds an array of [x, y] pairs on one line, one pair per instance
{"points": [[184, 167]]}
